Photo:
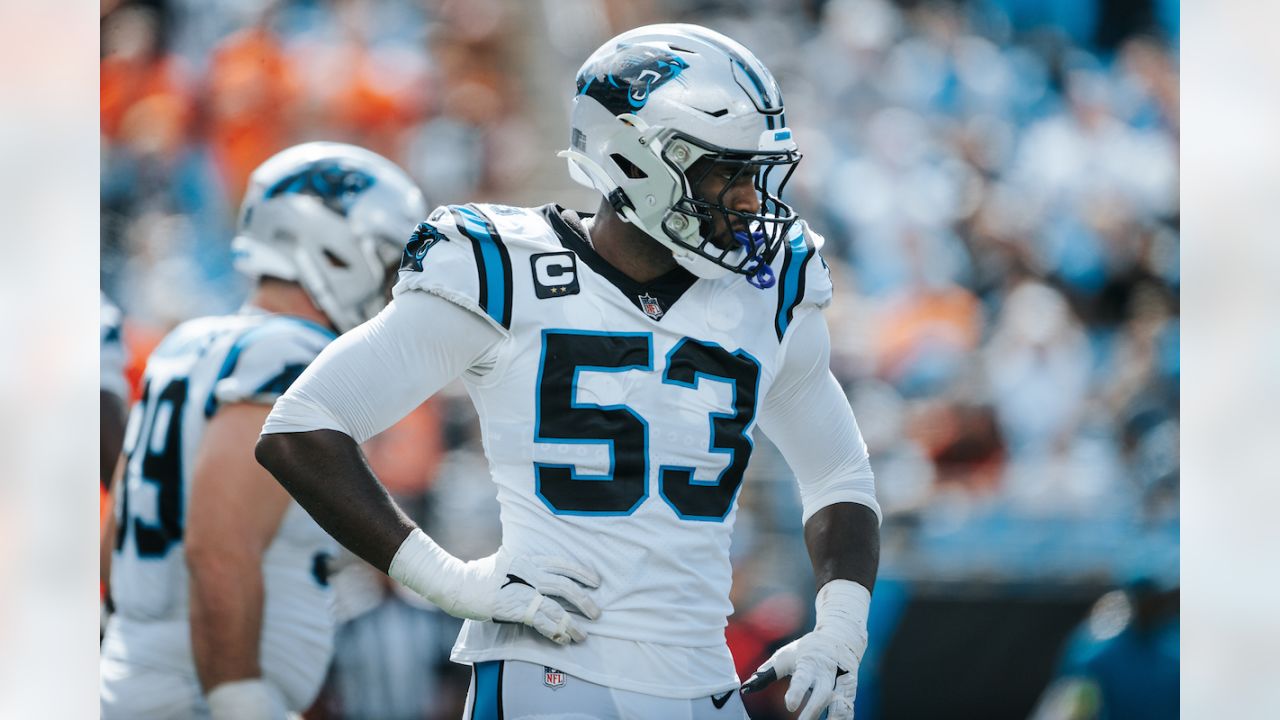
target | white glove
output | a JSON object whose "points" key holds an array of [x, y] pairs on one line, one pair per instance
{"points": [[826, 660], [501, 587]]}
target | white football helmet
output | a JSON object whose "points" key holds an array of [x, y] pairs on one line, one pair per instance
{"points": [[333, 218], [653, 101]]}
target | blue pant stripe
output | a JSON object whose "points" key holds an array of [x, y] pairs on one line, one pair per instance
{"points": [[488, 702]]}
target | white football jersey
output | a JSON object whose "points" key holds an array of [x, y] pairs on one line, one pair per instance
{"points": [[617, 422], [205, 363]]}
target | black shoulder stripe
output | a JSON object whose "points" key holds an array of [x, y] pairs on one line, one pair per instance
{"points": [[281, 382], [493, 262]]}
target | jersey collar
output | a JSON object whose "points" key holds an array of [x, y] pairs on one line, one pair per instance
{"points": [[654, 298]]}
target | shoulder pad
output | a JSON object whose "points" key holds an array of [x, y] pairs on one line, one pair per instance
{"points": [[459, 254], [804, 278], [265, 360], [109, 321], [111, 358]]}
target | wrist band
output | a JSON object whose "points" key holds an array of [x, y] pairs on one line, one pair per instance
{"points": [[842, 607], [249, 699], [424, 567]]}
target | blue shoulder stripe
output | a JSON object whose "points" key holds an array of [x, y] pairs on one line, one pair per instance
{"points": [[233, 355], [791, 287], [493, 262]]}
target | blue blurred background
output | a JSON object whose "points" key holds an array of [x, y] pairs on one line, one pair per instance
{"points": [[998, 185]]}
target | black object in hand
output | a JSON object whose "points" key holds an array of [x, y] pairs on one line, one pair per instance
{"points": [[762, 680]]}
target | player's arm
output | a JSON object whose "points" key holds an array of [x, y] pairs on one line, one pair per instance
{"points": [[107, 532], [111, 422], [238, 511], [362, 383], [113, 389], [808, 417]]}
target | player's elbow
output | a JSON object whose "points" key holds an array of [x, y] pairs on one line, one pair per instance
{"points": [[294, 459], [272, 452]]}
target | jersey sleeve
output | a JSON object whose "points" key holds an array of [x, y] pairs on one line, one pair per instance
{"points": [[375, 374], [458, 254], [265, 360], [804, 280], [807, 416]]}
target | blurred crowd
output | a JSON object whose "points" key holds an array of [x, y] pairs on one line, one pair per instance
{"points": [[1004, 203], [997, 182]]}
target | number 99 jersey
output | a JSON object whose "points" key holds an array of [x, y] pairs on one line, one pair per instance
{"points": [[617, 417], [200, 366]]}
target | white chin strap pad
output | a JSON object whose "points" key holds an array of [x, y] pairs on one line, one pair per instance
{"points": [[700, 266]]}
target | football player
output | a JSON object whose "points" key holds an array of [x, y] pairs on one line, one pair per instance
{"points": [[218, 578], [619, 363], [112, 400], [113, 390]]}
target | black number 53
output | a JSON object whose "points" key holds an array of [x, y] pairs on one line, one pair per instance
{"points": [[561, 419]]}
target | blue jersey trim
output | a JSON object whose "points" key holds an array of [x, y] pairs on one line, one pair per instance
{"points": [[493, 263], [233, 355], [281, 382], [791, 289]]}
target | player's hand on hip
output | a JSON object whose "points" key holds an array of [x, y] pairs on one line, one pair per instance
{"points": [[526, 586], [504, 587]]}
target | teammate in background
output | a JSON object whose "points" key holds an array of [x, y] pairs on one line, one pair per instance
{"points": [[619, 363], [221, 597], [112, 405], [112, 394], [113, 391]]}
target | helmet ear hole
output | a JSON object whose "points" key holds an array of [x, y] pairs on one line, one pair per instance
{"points": [[627, 167]]}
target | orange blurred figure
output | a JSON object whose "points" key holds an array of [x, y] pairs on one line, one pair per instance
{"points": [[135, 69], [252, 96]]}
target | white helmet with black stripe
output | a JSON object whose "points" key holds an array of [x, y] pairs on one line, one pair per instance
{"points": [[654, 101], [333, 218]]}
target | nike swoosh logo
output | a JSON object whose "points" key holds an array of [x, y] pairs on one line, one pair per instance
{"points": [[719, 702], [514, 580]]}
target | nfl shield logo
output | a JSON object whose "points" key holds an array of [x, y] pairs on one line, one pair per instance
{"points": [[649, 304], [552, 678]]}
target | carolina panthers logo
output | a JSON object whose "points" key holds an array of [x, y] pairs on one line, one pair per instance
{"points": [[334, 185], [623, 81], [424, 237]]}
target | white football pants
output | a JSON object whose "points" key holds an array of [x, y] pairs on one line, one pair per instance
{"points": [[515, 690]]}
